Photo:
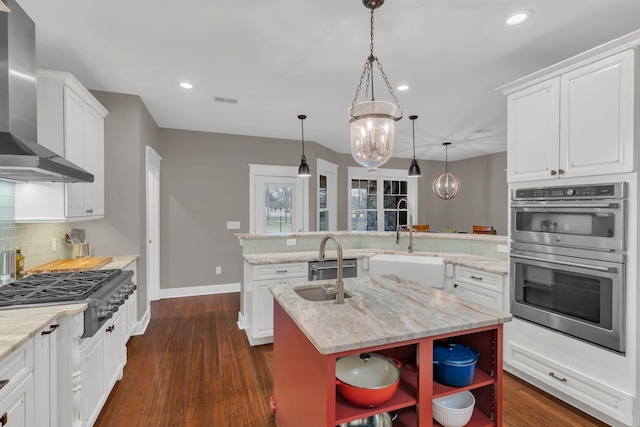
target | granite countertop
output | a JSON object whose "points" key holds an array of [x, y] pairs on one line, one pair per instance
{"points": [[120, 261], [491, 265], [18, 325], [380, 311]]}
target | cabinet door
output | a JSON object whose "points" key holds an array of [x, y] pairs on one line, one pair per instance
{"points": [[262, 322], [93, 162], [93, 377], [533, 132], [18, 407], [114, 350], [478, 295], [74, 122], [597, 116], [45, 376]]}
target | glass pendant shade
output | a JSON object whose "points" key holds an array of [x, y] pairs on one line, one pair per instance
{"points": [[446, 185], [373, 132]]}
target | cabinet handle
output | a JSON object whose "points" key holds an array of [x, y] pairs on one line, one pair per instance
{"points": [[477, 278], [89, 210], [51, 329], [281, 271], [560, 171], [111, 328], [553, 172], [3, 383], [455, 285], [552, 375], [4, 419]]}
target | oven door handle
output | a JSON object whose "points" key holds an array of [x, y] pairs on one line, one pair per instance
{"points": [[569, 264], [611, 205]]}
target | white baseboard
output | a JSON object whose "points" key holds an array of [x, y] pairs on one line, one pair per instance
{"points": [[199, 290], [242, 323], [142, 324]]}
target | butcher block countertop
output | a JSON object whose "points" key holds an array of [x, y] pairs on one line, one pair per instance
{"points": [[381, 310], [69, 265], [18, 325]]}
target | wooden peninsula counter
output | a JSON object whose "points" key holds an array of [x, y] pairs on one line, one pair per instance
{"points": [[386, 315]]}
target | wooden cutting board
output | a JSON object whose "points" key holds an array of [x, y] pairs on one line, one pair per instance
{"points": [[73, 264]]}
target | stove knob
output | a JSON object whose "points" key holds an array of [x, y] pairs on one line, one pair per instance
{"points": [[117, 300], [104, 314], [571, 192], [123, 295]]}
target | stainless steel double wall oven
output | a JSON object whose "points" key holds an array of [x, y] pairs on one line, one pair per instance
{"points": [[568, 258]]}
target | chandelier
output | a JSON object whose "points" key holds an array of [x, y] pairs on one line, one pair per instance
{"points": [[446, 185], [372, 122]]}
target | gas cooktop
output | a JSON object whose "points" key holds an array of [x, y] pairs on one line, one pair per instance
{"points": [[55, 287]]}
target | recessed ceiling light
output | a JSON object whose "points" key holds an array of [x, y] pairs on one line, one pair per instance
{"points": [[186, 85], [519, 17], [402, 88]]}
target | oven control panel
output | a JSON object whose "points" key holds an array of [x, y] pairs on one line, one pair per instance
{"points": [[602, 191]]}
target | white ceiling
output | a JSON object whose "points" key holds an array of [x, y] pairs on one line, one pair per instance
{"points": [[281, 58]]}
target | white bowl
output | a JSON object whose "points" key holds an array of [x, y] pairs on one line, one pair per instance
{"points": [[454, 410]]}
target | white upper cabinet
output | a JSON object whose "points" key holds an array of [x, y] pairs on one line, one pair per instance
{"points": [[578, 123], [70, 123], [533, 130], [597, 112]]}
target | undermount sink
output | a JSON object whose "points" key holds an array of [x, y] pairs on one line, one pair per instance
{"points": [[317, 293]]}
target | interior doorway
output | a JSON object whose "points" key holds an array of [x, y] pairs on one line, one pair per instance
{"points": [[153, 224]]}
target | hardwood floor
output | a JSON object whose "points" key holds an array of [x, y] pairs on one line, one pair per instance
{"points": [[193, 367]]}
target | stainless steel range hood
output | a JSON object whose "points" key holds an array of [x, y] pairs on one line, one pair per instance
{"points": [[21, 157]]}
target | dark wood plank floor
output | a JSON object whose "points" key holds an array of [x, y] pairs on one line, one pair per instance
{"points": [[194, 368]]}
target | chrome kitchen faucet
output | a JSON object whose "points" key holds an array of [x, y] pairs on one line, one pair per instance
{"points": [[339, 289], [410, 224]]}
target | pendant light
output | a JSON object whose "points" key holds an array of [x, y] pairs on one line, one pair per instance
{"points": [[303, 169], [414, 169], [446, 185], [372, 122]]}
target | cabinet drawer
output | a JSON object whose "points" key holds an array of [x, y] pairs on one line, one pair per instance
{"points": [[280, 271], [16, 367], [480, 278], [590, 391]]}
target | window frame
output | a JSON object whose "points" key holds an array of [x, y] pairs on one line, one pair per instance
{"points": [[382, 175]]}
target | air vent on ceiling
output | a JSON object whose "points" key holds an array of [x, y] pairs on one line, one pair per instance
{"points": [[227, 100]]}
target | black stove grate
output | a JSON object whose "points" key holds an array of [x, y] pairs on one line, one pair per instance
{"points": [[55, 287]]}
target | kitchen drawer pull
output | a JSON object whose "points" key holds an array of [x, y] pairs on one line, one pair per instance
{"points": [[334, 267], [51, 329], [477, 278], [3, 383], [281, 271], [4, 419], [111, 328], [89, 210], [553, 172], [552, 375], [560, 171]]}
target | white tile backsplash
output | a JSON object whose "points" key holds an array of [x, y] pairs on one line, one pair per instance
{"points": [[34, 239]]}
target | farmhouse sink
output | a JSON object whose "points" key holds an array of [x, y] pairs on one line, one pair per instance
{"points": [[425, 270], [318, 293]]}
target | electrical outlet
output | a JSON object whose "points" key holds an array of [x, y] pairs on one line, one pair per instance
{"points": [[218, 270], [291, 242], [503, 248], [54, 244], [233, 225]]}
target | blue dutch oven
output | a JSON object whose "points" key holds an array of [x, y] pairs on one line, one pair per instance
{"points": [[454, 364]]}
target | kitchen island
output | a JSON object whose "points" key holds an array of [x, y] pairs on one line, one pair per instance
{"points": [[386, 315]]}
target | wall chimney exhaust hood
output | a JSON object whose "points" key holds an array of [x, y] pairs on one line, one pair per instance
{"points": [[21, 157]]}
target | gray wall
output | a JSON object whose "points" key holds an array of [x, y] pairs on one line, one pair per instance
{"points": [[128, 128], [204, 182]]}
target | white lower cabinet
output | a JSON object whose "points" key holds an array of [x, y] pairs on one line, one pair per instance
{"points": [[102, 358], [583, 391], [256, 311], [45, 375], [481, 287], [17, 397], [130, 311]]}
